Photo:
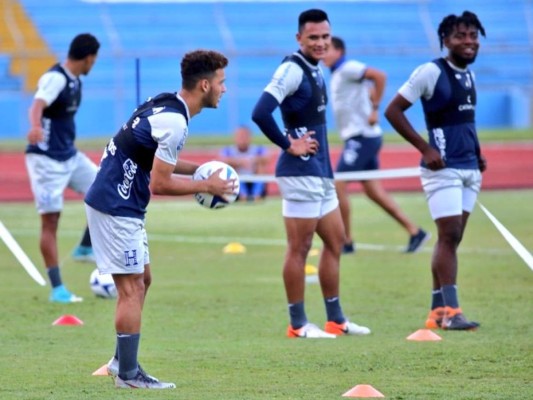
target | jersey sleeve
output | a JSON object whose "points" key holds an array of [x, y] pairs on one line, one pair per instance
{"points": [[49, 86], [421, 83], [285, 81], [353, 71], [169, 130]]}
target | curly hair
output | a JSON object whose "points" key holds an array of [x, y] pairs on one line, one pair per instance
{"points": [[200, 64], [451, 21]]}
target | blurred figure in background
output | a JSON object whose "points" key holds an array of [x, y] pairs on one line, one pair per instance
{"points": [[52, 160], [452, 163], [249, 159], [356, 91]]}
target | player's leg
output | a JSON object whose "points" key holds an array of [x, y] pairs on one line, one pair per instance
{"points": [[346, 215], [417, 236], [48, 181], [330, 230], [445, 200], [83, 173]]}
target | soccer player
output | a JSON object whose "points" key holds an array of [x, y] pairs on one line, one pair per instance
{"points": [[305, 176], [141, 159], [52, 160], [356, 92], [247, 158], [451, 163]]}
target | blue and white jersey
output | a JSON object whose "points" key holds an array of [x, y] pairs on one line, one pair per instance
{"points": [[299, 88], [350, 99], [448, 97], [158, 128], [61, 91]]}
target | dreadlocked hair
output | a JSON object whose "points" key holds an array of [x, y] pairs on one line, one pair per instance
{"points": [[451, 21]]}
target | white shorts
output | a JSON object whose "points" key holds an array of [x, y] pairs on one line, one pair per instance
{"points": [[307, 196], [120, 244], [450, 191], [49, 178]]}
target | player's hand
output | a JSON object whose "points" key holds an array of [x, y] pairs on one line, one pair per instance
{"points": [[35, 135], [373, 118], [218, 186], [482, 163], [303, 145], [432, 159]]}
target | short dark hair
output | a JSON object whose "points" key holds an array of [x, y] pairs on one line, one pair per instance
{"points": [[451, 21], [312, 15], [200, 64], [338, 44], [83, 45]]}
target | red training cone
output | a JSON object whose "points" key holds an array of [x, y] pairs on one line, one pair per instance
{"points": [[424, 335], [68, 320], [363, 391], [102, 371]]}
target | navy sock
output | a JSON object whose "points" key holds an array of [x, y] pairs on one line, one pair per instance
{"points": [[116, 350], [297, 315], [449, 293], [86, 239], [128, 346], [436, 298], [334, 310], [55, 276]]}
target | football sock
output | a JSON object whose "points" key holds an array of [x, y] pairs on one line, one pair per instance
{"points": [[55, 276], [86, 239], [436, 299], [334, 310], [297, 315], [449, 293], [128, 346]]}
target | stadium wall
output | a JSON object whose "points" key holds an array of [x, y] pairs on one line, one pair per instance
{"points": [[394, 35]]}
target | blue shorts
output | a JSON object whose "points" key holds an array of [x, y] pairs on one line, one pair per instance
{"points": [[360, 154]]}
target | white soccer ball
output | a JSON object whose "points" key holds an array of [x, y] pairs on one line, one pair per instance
{"points": [[103, 285], [204, 171]]}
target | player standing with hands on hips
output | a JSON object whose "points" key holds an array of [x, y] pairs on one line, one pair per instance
{"points": [[305, 176], [451, 163], [356, 91], [142, 159], [52, 160]]}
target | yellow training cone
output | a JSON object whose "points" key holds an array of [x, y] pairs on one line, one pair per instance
{"points": [[310, 269], [234, 248]]}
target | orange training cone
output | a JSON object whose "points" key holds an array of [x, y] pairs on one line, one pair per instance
{"points": [[68, 320], [424, 335], [102, 371], [363, 391]]}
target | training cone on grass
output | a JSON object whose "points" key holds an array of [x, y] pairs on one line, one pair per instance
{"points": [[314, 252], [424, 335], [102, 371], [363, 391], [311, 273], [234, 248], [68, 320]]}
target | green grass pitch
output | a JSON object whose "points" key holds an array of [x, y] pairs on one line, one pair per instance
{"points": [[215, 323]]}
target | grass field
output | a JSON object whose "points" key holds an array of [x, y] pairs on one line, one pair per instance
{"points": [[214, 323]]}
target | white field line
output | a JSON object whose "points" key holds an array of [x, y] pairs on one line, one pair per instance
{"points": [[275, 242]]}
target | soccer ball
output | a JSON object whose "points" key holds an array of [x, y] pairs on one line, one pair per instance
{"points": [[203, 172], [103, 285]]}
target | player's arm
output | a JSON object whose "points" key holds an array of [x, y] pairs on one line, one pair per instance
{"points": [[48, 88], [183, 167], [378, 79], [35, 113], [395, 114]]}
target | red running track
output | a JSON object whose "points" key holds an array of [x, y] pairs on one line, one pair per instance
{"points": [[510, 166]]}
